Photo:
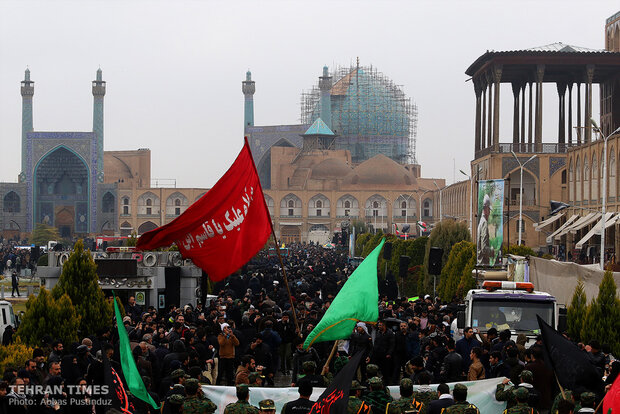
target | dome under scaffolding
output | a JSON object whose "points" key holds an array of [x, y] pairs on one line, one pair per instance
{"points": [[370, 114]]}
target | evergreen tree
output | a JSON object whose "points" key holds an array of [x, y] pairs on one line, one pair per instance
{"points": [[576, 312], [457, 271], [602, 316], [43, 233], [79, 281], [47, 316]]}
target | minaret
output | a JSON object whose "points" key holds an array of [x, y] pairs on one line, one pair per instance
{"points": [[248, 89], [27, 93], [98, 94], [325, 85]]}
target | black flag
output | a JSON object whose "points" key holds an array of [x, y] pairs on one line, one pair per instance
{"points": [[335, 398], [571, 365]]}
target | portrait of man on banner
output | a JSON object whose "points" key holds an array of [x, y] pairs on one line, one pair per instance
{"points": [[490, 232]]}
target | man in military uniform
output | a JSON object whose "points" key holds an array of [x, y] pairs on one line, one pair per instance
{"points": [[569, 397], [196, 402], [424, 395], [378, 398], [503, 393], [173, 404], [242, 406], [588, 402], [406, 403], [356, 403], [266, 407], [461, 406], [316, 380], [521, 395]]}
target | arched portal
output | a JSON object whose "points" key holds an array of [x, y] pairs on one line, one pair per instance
{"points": [[61, 192]]}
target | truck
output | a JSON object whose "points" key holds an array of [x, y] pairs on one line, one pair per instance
{"points": [[508, 305]]}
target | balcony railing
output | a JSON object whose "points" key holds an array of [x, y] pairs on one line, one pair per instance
{"points": [[543, 148]]}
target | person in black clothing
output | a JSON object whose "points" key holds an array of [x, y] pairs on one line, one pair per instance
{"points": [[14, 283], [497, 368], [451, 368], [303, 404], [445, 400], [383, 350]]}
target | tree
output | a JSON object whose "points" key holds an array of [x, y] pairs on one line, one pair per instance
{"points": [[132, 240], [602, 316], [79, 281], [446, 234], [576, 312], [46, 316], [520, 250], [456, 274], [43, 233], [14, 355]]}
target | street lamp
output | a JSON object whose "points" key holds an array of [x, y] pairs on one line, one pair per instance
{"points": [[420, 205], [471, 200], [597, 129], [521, 192], [440, 204]]}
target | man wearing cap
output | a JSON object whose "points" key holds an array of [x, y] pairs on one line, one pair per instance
{"points": [[508, 394], [461, 406], [485, 252], [356, 403], [521, 395], [588, 402], [377, 398], [266, 406], [242, 406], [303, 404], [405, 402], [196, 402]]}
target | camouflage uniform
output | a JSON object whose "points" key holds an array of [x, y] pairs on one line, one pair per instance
{"points": [[378, 399], [461, 407], [355, 404], [521, 394], [404, 404], [569, 397], [198, 405], [588, 399], [240, 407], [424, 397]]}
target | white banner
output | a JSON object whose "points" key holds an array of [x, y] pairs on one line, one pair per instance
{"points": [[480, 393]]}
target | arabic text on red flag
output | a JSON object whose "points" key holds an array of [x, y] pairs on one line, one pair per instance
{"points": [[225, 228]]}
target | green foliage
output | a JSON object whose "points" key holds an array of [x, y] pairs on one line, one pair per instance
{"points": [[43, 260], [372, 243], [576, 312], [47, 316], [79, 281], [456, 278], [132, 240], [43, 233], [14, 355], [359, 226], [602, 316], [361, 241], [446, 234], [520, 250]]}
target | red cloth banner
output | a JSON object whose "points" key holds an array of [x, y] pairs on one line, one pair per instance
{"points": [[611, 403], [225, 228]]}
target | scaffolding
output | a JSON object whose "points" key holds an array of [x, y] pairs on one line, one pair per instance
{"points": [[370, 114]]}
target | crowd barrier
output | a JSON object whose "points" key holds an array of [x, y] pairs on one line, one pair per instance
{"points": [[481, 393]]}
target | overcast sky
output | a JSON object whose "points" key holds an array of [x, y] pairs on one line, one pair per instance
{"points": [[174, 68]]}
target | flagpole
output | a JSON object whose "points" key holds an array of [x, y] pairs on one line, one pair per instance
{"points": [[288, 289], [329, 359]]}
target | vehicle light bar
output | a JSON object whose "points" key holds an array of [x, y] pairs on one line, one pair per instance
{"points": [[493, 285], [121, 249]]}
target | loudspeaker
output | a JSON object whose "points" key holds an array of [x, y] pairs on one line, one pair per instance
{"points": [[434, 261], [34, 253], [173, 285], [387, 251], [403, 266]]}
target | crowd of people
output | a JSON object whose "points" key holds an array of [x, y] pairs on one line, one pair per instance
{"points": [[252, 336]]}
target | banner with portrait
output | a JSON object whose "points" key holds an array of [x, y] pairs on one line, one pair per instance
{"points": [[490, 233]]}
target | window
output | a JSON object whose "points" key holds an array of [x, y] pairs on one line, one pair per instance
{"points": [[291, 212], [318, 212], [177, 202], [346, 213], [107, 204], [347, 204], [149, 211], [427, 209], [319, 204], [149, 202], [11, 203], [177, 211], [126, 210], [291, 204]]}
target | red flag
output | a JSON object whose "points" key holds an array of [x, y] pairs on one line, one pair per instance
{"points": [[611, 403], [225, 228]]}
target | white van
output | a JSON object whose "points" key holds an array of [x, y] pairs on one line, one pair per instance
{"points": [[7, 316]]}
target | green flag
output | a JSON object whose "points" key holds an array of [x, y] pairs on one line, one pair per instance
{"points": [[132, 375], [357, 301]]}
